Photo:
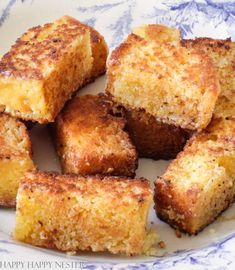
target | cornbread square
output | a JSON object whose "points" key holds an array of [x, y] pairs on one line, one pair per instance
{"points": [[46, 65], [200, 183], [90, 138], [72, 213], [15, 158], [178, 86], [154, 139], [222, 52]]}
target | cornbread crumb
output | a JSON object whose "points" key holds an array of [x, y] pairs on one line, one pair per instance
{"points": [[178, 233], [150, 247], [93, 213], [162, 244]]}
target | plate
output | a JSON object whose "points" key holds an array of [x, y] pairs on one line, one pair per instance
{"points": [[213, 248]]}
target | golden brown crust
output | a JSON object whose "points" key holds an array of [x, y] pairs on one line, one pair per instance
{"points": [[99, 53], [166, 198], [53, 182], [72, 213], [90, 138], [154, 139], [54, 60], [222, 52], [122, 49], [199, 184], [32, 45], [7, 202], [203, 43], [184, 220], [137, 79], [50, 49]]}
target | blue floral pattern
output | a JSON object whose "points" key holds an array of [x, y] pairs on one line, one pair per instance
{"points": [[186, 15], [6, 11]]}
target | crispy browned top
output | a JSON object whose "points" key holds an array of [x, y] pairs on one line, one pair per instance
{"points": [[95, 35], [200, 161], [160, 33], [89, 112], [170, 55], [90, 137], [213, 43], [222, 52], [95, 123], [36, 50], [177, 85], [116, 187]]}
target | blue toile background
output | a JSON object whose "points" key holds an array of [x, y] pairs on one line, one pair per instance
{"points": [[117, 17]]}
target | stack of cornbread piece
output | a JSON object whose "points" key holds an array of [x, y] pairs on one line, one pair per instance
{"points": [[165, 98]]}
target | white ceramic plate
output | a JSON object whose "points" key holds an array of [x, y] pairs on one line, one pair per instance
{"points": [[213, 248]]}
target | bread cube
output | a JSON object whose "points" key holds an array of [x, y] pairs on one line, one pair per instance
{"points": [[15, 158], [177, 85], [73, 213], [90, 138], [46, 66], [200, 183], [222, 52], [153, 138]]}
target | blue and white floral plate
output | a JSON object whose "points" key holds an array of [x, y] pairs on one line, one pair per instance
{"points": [[214, 248]]}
